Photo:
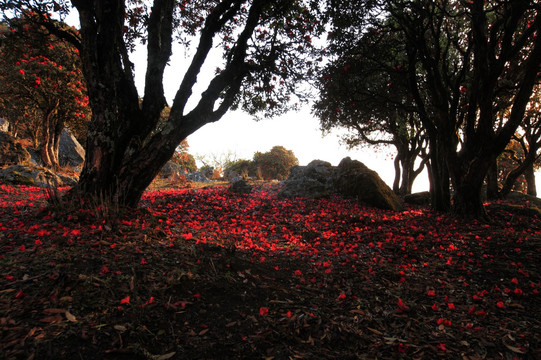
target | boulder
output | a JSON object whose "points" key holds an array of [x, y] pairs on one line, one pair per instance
{"points": [[11, 151], [240, 186], [70, 151], [420, 198], [320, 179], [231, 175], [4, 125], [312, 181], [34, 176], [201, 176], [352, 178], [171, 169]]}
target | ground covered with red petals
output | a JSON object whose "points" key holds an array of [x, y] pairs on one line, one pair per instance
{"points": [[208, 274]]}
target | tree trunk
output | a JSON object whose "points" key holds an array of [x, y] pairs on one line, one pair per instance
{"points": [[407, 169], [511, 178], [439, 179], [123, 155], [467, 178], [529, 174], [396, 181], [467, 202], [46, 138], [493, 191]]}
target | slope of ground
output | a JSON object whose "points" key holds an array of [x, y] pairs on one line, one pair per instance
{"points": [[208, 274]]}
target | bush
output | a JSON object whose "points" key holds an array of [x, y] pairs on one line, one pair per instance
{"points": [[185, 160], [241, 167], [275, 164]]}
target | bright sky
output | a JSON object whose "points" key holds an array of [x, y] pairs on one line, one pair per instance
{"points": [[239, 134]]}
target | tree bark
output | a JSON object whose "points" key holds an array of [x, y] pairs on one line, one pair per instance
{"points": [[439, 178], [397, 174], [123, 156], [493, 191], [468, 173], [529, 174], [46, 137], [526, 165]]}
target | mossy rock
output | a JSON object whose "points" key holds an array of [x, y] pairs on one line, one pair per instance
{"points": [[17, 178], [30, 175]]}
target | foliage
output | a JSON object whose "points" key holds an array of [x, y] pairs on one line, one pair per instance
{"points": [[242, 167], [364, 89], [264, 50], [42, 84], [275, 164], [464, 61], [183, 158]]}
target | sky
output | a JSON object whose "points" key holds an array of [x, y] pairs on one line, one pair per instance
{"points": [[239, 134]]}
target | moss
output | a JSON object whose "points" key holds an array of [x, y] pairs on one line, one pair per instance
{"points": [[20, 179]]}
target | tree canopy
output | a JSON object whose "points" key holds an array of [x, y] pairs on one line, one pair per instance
{"points": [[463, 62], [43, 89], [264, 49]]}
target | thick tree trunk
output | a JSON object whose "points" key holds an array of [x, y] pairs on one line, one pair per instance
{"points": [[493, 191], [407, 169], [526, 165], [397, 171], [439, 179], [122, 154], [467, 202], [529, 174], [467, 178], [46, 136], [44, 147]]}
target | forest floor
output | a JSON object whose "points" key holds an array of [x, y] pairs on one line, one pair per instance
{"points": [[203, 273]]}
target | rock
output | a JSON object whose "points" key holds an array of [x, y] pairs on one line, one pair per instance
{"points": [[312, 181], [240, 186], [171, 169], [4, 125], [201, 176], [320, 179], [231, 175], [70, 151], [352, 178], [34, 176], [35, 157], [420, 198], [11, 151]]}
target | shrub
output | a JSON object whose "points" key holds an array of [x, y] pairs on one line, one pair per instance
{"points": [[241, 167], [183, 158], [275, 164]]}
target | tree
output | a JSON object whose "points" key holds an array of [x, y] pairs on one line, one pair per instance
{"points": [[522, 153], [477, 57], [365, 91], [274, 164], [183, 158], [42, 85], [265, 48]]}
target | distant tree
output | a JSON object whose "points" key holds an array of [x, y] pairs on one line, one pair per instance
{"points": [[275, 164], [264, 50], [183, 158], [242, 167], [365, 90], [42, 86]]}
